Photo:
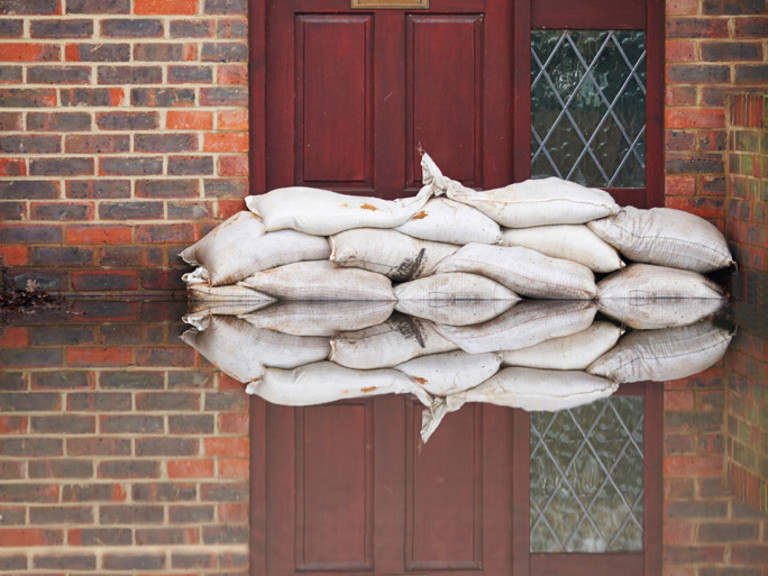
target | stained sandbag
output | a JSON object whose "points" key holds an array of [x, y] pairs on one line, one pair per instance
{"points": [[398, 256], [455, 312], [542, 202], [324, 213], [443, 220], [240, 246], [524, 271], [647, 281], [654, 313], [324, 382], [666, 237], [399, 339], [451, 372], [528, 388], [229, 292], [570, 352], [665, 354], [242, 351], [527, 323], [575, 242], [321, 280], [320, 318]]}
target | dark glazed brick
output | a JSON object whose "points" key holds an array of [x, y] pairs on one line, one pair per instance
{"points": [[225, 52], [131, 166], [168, 401], [58, 29], [165, 142], [133, 562], [132, 381], [131, 210], [717, 51], [236, 28], [99, 446], [64, 379], [132, 424], [12, 381], [17, 493], [99, 402], [736, 7], [164, 492], [69, 424], [130, 75], [10, 121], [30, 144], [61, 468], [129, 469], [11, 74], [751, 27], [702, 163], [191, 424], [166, 188], [12, 516], [225, 402], [101, 537], [189, 560], [225, 7], [98, 6], [29, 189], [29, 7], [190, 514], [751, 74], [165, 536], [11, 28], [26, 402], [162, 97], [37, 357], [158, 52], [100, 53], [167, 447], [189, 211], [106, 281], [223, 97], [690, 509], [65, 561], [224, 493], [727, 532], [59, 121], [127, 120], [132, 28], [92, 493], [190, 74], [88, 97], [226, 188], [30, 447], [697, 28], [60, 256], [190, 165], [24, 98], [105, 189], [13, 562], [61, 167], [46, 280], [191, 29], [698, 73], [225, 534], [131, 514], [29, 233], [60, 211], [60, 515]]}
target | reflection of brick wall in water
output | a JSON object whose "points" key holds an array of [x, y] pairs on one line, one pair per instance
{"points": [[120, 448]]}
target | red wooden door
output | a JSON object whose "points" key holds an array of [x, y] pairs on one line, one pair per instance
{"points": [[351, 94]]}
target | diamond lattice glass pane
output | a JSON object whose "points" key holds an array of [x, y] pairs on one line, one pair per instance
{"points": [[588, 106], [587, 478]]}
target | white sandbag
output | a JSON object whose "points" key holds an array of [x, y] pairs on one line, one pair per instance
{"points": [[526, 388], [241, 350], [320, 318], [321, 280], [444, 220], [524, 271], [574, 242], [324, 382], [239, 246], [393, 342], [571, 352], [229, 292], [666, 354], [451, 372], [665, 236], [455, 312], [654, 313], [527, 323], [324, 213], [541, 202], [649, 281], [398, 256]]}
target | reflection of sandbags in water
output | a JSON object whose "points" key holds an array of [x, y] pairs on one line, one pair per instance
{"points": [[320, 318], [666, 237], [527, 388], [527, 323], [454, 298], [665, 354], [199, 312], [575, 242], [397, 256], [324, 382], [451, 372], [239, 246], [444, 220], [541, 202], [654, 313], [649, 281], [571, 352], [321, 280], [241, 351], [524, 271], [230, 292], [323, 212], [393, 342]]}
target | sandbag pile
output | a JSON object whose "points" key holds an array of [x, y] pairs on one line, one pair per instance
{"points": [[455, 295]]}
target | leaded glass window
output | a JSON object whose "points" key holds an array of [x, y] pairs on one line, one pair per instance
{"points": [[587, 466], [588, 92]]}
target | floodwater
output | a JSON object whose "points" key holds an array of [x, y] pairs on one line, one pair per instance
{"points": [[461, 440]]}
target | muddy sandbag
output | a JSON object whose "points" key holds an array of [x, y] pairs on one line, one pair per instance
{"points": [[240, 246], [525, 271], [451, 372], [242, 351], [398, 256], [647, 281], [571, 352], [541, 202], [528, 388], [324, 382], [324, 213], [527, 323], [321, 280], [665, 354], [575, 242], [443, 220], [320, 318], [654, 313], [666, 237], [399, 339]]}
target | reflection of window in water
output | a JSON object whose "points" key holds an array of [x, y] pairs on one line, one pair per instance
{"points": [[587, 478]]}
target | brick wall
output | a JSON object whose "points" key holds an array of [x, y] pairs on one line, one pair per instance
{"points": [[121, 451], [713, 47], [123, 136]]}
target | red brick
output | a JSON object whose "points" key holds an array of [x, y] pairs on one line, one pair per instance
{"points": [[233, 423], [229, 208], [235, 469], [190, 468], [232, 74], [189, 120], [98, 234], [165, 233], [13, 337], [13, 424], [226, 447], [13, 255], [165, 7], [24, 537], [233, 165], [216, 142], [236, 513], [695, 118], [29, 52], [233, 119], [682, 7], [680, 51], [99, 357], [677, 533], [13, 167], [704, 207], [693, 466]]}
